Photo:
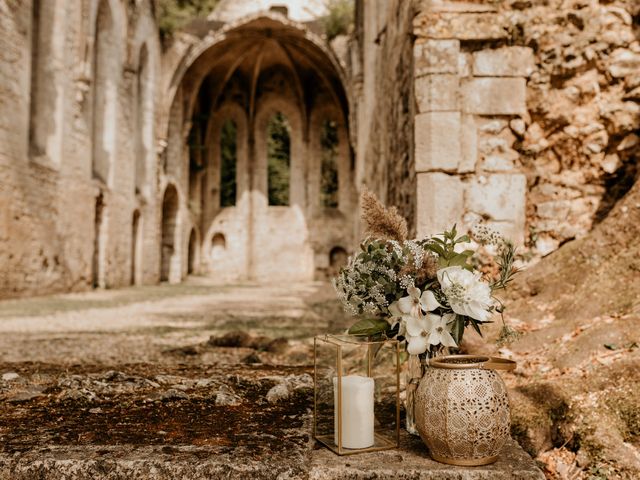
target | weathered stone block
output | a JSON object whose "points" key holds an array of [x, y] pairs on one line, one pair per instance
{"points": [[494, 96], [436, 56], [499, 196], [463, 26], [440, 202], [437, 137], [504, 62], [468, 144], [437, 92]]}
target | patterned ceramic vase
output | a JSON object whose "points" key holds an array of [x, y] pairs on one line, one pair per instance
{"points": [[462, 409]]}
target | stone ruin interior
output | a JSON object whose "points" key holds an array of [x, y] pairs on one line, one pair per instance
{"points": [[216, 166]]}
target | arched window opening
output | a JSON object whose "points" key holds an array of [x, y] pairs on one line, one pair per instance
{"points": [[104, 93], [278, 159], [228, 162], [329, 169], [198, 149], [144, 122]]}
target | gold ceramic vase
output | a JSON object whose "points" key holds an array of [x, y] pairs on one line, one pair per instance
{"points": [[462, 409]]}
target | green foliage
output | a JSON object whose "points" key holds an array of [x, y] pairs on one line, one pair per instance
{"points": [[445, 249], [339, 18], [228, 161], [505, 259], [278, 159], [369, 326], [175, 14], [329, 179]]}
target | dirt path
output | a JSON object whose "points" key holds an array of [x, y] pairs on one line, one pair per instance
{"points": [[153, 323]]}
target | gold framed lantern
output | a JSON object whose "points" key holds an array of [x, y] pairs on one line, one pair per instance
{"points": [[356, 393]]}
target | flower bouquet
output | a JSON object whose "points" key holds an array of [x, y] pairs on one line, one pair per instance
{"points": [[423, 292]]}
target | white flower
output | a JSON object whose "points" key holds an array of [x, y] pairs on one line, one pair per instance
{"points": [[428, 330], [440, 331], [466, 293], [415, 301], [417, 332]]}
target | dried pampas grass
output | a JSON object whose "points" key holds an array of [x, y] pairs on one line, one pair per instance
{"points": [[381, 222]]}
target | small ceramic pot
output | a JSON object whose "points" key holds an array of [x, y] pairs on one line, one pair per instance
{"points": [[462, 409]]}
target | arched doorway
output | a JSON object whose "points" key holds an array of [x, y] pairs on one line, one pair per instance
{"points": [[168, 237], [193, 252], [338, 258]]}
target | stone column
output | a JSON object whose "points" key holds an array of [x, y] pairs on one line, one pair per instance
{"points": [[468, 100]]}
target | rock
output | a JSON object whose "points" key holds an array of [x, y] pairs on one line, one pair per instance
{"points": [[278, 346], [624, 62], [186, 351], [9, 376], [288, 386], [227, 397], [253, 357], [629, 141], [237, 339], [170, 395], [81, 394], [610, 163], [280, 392], [518, 126], [24, 395]]}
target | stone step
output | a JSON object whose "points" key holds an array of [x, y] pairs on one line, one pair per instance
{"points": [[147, 421]]}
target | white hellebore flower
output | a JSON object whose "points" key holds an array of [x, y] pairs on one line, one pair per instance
{"points": [[410, 308], [466, 293], [414, 302], [440, 331], [429, 330]]}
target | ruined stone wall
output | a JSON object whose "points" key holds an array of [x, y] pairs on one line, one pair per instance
{"points": [[581, 147], [47, 190], [385, 104]]}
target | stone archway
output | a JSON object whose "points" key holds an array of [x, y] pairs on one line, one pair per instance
{"points": [[168, 233], [247, 73]]}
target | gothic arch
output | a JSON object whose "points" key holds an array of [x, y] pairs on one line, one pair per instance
{"points": [[227, 48], [268, 106]]}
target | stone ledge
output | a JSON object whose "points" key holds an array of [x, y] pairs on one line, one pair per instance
{"points": [[192, 422], [412, 462], [125, 462]]}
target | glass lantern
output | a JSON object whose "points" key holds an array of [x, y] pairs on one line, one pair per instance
{"points": [[356, 393]]}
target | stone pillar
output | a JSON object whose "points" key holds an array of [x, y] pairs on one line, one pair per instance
{"points": [[468, 101]]}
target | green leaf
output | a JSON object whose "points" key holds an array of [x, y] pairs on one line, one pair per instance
{"points": [[458, 329], [463, 239], [437, 249], [369, 326], [458, 260], [475, 326], [610, 346]]}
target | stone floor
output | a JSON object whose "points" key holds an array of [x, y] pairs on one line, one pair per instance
{"points": [[158, 383]]}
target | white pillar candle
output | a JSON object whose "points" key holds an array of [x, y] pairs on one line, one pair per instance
{"points": [[357, 411]]}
